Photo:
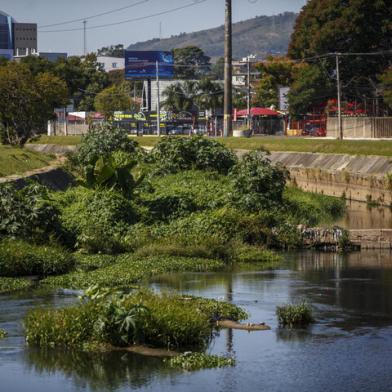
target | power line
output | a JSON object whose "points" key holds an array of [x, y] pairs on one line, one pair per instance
{"points": [[192, 4], [96, 15]]}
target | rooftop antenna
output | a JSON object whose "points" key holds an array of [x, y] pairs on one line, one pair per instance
{"points": [[84, 37]]}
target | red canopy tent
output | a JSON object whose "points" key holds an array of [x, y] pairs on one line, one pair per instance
{"points": [[257, 112]]}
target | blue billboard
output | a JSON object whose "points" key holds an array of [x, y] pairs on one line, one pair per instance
{"points": [[142, 64]]}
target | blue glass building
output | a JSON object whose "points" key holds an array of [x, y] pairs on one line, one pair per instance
{"points": [[6, 38]]}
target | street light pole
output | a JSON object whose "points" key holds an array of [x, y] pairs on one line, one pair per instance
{"points": [[84, 37], [248, 95], [228, 100], [158, 102]]}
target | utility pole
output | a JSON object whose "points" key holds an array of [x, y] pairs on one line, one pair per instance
{"points": [[228, 100], [248, 95], [84, 37], [158, 103], [340, 123]]}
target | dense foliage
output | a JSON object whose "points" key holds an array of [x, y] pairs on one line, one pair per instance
{"points": [[27, 101], [113, 318], [101, 141], [19, 258], [28, 213], [175, 154], [195, 361], [292, 316], [95, 220], [257, 184], [335, 26]]}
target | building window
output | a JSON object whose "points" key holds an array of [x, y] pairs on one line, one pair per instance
{"points": [[114, 65]]}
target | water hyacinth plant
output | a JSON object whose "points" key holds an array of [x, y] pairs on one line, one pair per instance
{"points": [[195, 361], [3, 334], [292, 316]]}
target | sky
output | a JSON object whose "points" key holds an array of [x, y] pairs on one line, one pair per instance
{"points": [[197, 15]]}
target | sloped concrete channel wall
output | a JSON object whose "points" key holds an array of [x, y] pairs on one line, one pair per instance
{"points": [[360, 178]]}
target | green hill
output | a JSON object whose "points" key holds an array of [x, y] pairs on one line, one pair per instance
{"points": [[261, 35]]}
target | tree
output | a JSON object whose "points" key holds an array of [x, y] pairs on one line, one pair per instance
{"points": [[218, 69], [311, 88], [274, 72], [84, 77], [190, 62], [27, 101], [112, 51], [355, 26], [112, 99], [386, 84]]}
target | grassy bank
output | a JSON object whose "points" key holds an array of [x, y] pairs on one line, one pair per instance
{"points": [[271, 143], [14, 160]]}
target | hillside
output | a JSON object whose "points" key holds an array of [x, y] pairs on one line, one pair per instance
{"points": [[261, 35]]}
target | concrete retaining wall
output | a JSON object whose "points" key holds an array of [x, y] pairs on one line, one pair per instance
{"points": [[360, 178]]}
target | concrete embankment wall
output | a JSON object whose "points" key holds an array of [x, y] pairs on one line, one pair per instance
{"points": [[360, 178]]}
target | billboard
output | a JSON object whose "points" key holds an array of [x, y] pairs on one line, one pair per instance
{"points": [[142, 64]]}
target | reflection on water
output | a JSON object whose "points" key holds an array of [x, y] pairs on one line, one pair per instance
{"points": [[98, 371], [348, 348], [361, 216]]}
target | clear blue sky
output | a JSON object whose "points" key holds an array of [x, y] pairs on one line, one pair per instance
{"points": [[204, 15]]}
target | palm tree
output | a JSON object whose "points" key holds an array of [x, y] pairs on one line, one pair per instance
{"points": [[210, 97], [181, 97]]}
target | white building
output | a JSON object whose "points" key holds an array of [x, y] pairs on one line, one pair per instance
{"points": [[111, 63]]}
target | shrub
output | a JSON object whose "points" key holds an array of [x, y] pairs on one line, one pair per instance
{"points": [[187, 191], [257, 184], [101, 141], [28, 213], [19, 258], [112, 318], [3, 334], [96, 220], [195, 361], [9, 285], [294, 315], [175, 154]]}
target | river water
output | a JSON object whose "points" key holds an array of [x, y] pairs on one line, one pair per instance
{"points": [[347, 349]]}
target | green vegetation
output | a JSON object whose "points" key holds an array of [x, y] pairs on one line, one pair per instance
{"points": [[27, 101], [3, 334], [292, 316], [16, 160], [195, 361], [257, 184], [8, 285], [176, 154], [312, 208], [129, 270], [19, 258], [28, 213], [58, 140], [112, 318]]}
